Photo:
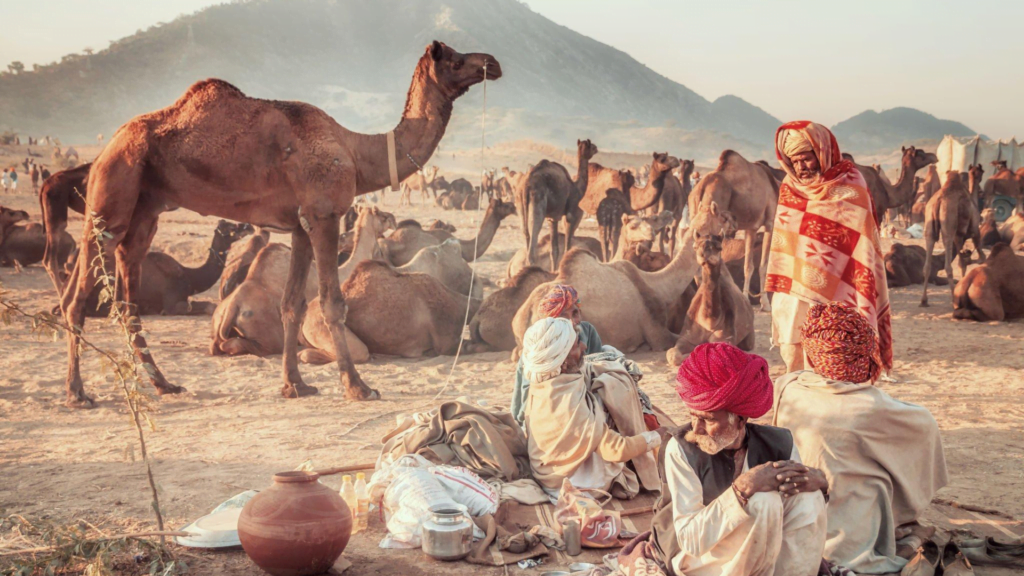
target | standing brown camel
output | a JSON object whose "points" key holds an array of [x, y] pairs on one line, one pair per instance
{"points": [[550, 194], [610, 212], [601, 180], [974, 175], [674, 195], [950, 215], [283, 165], [993, 291], [745, 192], [421, 180], [63, 190], [903, 192]]}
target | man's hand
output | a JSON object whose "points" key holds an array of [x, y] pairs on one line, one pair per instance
{"points": [[766, 477], [795, 478]]}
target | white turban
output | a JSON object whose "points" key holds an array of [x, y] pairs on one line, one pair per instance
{"points": [[546, 345], [795, 142]]}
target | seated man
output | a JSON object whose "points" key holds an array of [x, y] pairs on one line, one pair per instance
{"points": [[882, 457], [562, 301], [583, 420], [736, 500]]}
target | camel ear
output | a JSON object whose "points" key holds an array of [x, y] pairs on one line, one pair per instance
{"points": [[714, 208], [903, 149], [436, 51]]}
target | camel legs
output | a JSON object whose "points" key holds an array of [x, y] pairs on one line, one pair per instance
{"points": [[766, 247], [130, 254], [293, 308], [929, 245], [55, 221], [324, 237]]}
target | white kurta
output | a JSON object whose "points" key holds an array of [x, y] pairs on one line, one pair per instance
{"points": [[772, 535]]}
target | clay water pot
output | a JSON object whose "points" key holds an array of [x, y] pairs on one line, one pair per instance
{"points": [[297, 527]]}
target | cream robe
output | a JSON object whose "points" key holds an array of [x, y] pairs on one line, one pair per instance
{"points": [[883, 459]]}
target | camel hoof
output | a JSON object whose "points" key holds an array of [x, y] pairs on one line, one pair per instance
{"points": [[165, 389], [924, 304], [298, 390], [80, 402], [362, 393]]}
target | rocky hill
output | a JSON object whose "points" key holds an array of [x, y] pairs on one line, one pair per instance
{"points": [[354, 58], [872, 132]]}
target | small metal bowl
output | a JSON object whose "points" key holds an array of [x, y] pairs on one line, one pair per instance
{"points": [[581, 567], [555, 573]]}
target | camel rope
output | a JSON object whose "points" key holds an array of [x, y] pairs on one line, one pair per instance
{"points": [[476, 242]]}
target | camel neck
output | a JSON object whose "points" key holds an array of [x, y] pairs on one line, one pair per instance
{"points": [[363, 246], [203, 278], [712, 302], [641, 198], [484, 236], [671, 281], [427, 112], [582, 173], [903, 190]]}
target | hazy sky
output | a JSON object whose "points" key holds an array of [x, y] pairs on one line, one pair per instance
{"points": [[824, 61]]}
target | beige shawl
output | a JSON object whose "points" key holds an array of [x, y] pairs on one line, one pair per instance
{"points": [[567, 422], [883, 459]]}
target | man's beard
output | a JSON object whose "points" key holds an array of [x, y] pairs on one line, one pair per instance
{"points": [[713, 444], [808, 177]]}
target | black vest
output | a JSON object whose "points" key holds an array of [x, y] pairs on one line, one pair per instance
{"points": [[764, 444]]}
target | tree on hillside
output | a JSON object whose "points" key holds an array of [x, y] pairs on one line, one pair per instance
{"points": [[16, 67]]}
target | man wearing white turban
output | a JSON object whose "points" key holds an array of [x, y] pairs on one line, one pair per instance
{"points": [[583, 420]]}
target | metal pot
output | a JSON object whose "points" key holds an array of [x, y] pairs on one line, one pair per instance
{"points": [[448, 533]]}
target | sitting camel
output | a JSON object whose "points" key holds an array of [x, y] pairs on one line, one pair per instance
{"points": [[989, 229], [491, 327], [518, 260], [993, 291], [401, 246], [167, 285], [904, 266], [719, 312], [1012, 231], [641, 255], [951, 216], [628, 307], [239, 259], [26, 243], [407, 315], [749, 193], [634, 229], [444, 262], [249, 320]]}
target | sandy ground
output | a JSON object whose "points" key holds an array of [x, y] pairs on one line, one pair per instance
{"points": [[231, 431]]}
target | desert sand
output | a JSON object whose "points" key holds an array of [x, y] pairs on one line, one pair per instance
{"points": [[232, 430]]}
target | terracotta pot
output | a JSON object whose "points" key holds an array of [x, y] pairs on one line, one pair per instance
{"points": [[297, 527]]}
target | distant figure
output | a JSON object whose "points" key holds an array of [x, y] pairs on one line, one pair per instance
{"points": [[695, 178], [35, 177], [99, 139], [25, 163], [13, 175], [43, 174], [6, 180]]}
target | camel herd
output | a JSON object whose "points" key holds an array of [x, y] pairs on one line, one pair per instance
{"points": [[356, 282]]}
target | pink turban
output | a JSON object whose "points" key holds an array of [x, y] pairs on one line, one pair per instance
{"points": [[720, 376]]}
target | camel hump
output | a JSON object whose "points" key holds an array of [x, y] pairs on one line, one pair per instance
{"points": [[729, 156], [999, 250], [209, 88], [576, 255]]}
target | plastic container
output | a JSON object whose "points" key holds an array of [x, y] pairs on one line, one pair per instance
{"points": [[362, 503], [348, 494]]}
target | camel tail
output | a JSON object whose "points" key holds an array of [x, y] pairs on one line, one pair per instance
{"points": [[226, 329], [962, 306]]}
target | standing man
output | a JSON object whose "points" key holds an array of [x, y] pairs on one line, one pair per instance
{"points": [[825, 245]]}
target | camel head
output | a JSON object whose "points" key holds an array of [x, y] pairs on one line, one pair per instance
{"points": [[375, 220], [988, 216], [712, 221], [227, 233], [441, 225], [505, 170], [709, 250], [8, 217], [586, 149], [454, 73], [914, 159], [636, 229], [975, 172], [660, 221], [499, 209], [662, 162], [686, 168]]}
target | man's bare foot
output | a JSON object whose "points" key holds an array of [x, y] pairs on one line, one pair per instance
{"points": [[298, 390], [79, 401]]}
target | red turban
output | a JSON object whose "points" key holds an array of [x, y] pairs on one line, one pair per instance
{"points": [[841, 344], [560, 297], [720, 376]]}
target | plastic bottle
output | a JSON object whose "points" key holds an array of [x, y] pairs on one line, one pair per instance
{"points": [[362, 502], [348, 494]]}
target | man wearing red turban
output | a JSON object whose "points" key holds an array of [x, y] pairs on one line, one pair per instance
{"points": [[736, 499]]}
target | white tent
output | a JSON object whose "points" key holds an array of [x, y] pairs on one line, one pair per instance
{"points": [[957, 153]]}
